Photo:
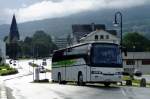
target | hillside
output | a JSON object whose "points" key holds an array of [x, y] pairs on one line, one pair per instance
{"points": [[134, 19]]}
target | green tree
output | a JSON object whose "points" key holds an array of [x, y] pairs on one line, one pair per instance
{"points": [[27, 47], [136, 42], [42, 44]]}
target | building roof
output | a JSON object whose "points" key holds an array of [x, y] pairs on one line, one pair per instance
{"points": [[81, 30], [113, 32], [14, 33]]}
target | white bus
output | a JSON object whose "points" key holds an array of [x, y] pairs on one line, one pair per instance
{"points": [[88, 63]]}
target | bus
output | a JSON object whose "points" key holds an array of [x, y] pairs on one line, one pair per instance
{"points": [[88, 63]]}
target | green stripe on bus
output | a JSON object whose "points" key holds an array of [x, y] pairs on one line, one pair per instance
{"points": [[63, 63]]}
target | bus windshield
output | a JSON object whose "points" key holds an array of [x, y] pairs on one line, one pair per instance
{"points": [[106, 55]]}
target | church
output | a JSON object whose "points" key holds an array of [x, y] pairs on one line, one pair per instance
{"points": [[12, 40]]}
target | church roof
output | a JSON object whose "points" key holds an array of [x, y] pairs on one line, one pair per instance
{"points": [[14, 33]]}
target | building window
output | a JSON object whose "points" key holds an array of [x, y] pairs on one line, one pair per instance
{"points": [[130, 62], [101, 36], [107, 36], [146, 62], [96, 37]]}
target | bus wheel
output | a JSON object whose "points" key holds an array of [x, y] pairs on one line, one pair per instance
{"points": [[80, 80], [106, 84], [59, 78], [64, 82]]}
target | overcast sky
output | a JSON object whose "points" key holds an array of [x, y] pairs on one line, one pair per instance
{"points": [[29, 10]]}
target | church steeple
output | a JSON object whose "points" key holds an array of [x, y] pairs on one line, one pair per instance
{"points": [[14, 33]]}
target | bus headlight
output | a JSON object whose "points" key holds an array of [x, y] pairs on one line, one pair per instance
{"points": [[96, 72]]}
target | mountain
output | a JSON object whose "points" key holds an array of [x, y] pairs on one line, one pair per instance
{"points": [[134, 19]]}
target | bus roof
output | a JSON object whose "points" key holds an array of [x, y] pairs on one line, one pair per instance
{"points": [[80, 44]]}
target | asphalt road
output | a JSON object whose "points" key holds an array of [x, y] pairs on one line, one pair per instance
{"points": [[21, 87]]}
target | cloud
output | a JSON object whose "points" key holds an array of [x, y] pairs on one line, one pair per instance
{"points": [[60, 8]]}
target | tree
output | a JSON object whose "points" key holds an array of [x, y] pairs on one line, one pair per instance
{"points": [[136, 42], [40, 45], [27, 47], [5, 39]]}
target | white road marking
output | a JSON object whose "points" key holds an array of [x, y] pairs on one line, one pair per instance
{"points": [[123, 92]]}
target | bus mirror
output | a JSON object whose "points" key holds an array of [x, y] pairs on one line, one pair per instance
{"points": [[87, 60], [125, 53], [69, 49], [124, 50]]}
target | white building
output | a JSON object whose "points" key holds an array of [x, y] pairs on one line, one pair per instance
{"points": [[82, 30], [2, 52], [101, 36], [137, 60]]}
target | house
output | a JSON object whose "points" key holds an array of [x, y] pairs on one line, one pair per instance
{"points": [[82, 30], [93, 32], [137, 60], [102, 36]]}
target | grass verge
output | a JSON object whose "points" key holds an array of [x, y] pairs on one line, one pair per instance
{"points": [[5, 69], [135, 82]]}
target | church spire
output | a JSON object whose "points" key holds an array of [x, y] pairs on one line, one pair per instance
{"points": [[14, 33]]}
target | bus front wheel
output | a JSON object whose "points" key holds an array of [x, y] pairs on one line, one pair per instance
{"points": [[80, 80], [107, 84]]}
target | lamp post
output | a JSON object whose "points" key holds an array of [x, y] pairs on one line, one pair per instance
{"points": [[116, 23]]}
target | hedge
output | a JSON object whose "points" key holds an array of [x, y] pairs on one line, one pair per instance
{"points": [[5, 69]]}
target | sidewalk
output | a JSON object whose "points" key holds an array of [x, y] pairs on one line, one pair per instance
{"points": [[3, 91]]}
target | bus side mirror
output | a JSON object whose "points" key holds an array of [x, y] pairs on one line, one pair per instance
{"points": [[87, 60], [125, 53], [124, 50], [69, 50]]}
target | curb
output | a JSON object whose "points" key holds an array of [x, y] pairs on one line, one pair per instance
{"points": [[3, 91]]}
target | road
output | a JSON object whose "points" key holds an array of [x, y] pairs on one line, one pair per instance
{"points": [[21, 87]]}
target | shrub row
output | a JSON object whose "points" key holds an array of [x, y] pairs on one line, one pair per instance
{"points": [[10, 71]]}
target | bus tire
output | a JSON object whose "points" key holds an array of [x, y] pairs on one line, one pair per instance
{"points": [[59, 78], [64, 82], [107, 84], [80, 79]]}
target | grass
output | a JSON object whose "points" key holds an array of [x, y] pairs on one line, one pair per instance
{"points": [[5, 69]]}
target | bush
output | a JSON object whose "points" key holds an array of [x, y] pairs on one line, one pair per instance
{"points": [[6, 70]]}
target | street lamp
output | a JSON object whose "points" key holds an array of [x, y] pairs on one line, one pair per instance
{"points": [[116, 23]]}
